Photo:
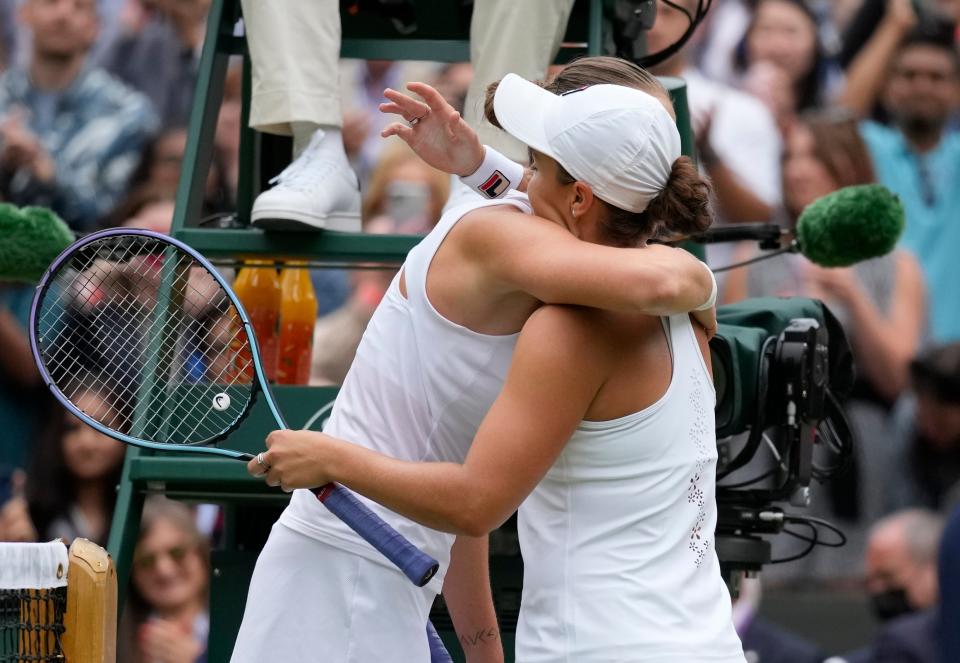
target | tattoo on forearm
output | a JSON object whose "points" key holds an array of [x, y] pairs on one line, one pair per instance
{"points": [[481, 637]]}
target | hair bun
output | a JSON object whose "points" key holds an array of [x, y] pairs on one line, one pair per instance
{"points": [[684, 206]]}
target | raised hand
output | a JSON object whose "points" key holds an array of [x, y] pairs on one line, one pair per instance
{"points": [[436, 132]]}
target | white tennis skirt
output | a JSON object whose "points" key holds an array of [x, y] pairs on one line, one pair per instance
{"points": [[309, 601]]}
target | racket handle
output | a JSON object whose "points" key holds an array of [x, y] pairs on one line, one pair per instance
{"points": [[416, 565], [438, 653]]}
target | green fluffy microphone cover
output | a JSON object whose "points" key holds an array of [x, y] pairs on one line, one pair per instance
{"points": [[851, 225], [30, 239]]}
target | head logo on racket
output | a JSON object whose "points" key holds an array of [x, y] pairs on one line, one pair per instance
{"points": [[221, 402]]}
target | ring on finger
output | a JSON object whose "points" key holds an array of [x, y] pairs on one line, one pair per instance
{"points": [[415, 121], [262, 462]]}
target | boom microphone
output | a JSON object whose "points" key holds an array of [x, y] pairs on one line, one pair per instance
{"points": [[30, 239], [851, 225], [843, 228]]}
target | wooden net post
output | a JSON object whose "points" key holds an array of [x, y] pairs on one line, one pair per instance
{"points": [[91, 619]]}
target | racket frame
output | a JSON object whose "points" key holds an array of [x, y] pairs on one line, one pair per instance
{"points": [[261, 383], [412, 562]]}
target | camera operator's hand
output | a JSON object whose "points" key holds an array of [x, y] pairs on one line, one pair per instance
{"points": [[21, 148]]}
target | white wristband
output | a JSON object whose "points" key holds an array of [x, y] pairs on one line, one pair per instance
{"points": [[713, 293], [496, 175]]}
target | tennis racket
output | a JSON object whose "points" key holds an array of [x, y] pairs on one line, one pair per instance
{"points": [[140, 337]]}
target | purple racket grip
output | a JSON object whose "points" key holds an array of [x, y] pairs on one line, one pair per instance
{"points": [[438, 653], [416, 565]]}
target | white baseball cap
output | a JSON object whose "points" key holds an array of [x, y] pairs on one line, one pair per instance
{"points": [[619, 140]]}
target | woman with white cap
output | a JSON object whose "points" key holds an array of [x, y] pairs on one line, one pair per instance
{"points": [[615, 472]]}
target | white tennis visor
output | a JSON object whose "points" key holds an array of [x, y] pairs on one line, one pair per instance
{"points": [[619, 140]]}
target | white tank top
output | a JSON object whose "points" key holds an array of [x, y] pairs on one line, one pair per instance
{"points": [[617, 539], [418, 389]]}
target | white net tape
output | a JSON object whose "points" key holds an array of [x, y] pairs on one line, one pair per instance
{"points": [[33, 565]]}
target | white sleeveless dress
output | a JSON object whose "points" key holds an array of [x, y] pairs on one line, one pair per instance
{"points": [[617, 539], [418, 389]]}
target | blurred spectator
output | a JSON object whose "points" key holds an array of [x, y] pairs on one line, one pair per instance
{"points": [[166, 618], [949, 571], [881, 305], [147, 207], [453, 82], [160, 60], [783, 60], [725, 26], [405, 196], [926, 434], [901, 565], [881, 301], [870, 16], [867, 72], [70, 490], [22, 397], [763, 641], [362, 84], [406, 190], [919, 159], [161, 162], [737, 139], [120, 17], [70, 132]]}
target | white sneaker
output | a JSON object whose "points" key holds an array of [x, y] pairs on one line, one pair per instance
{"points": [[318, 190]]}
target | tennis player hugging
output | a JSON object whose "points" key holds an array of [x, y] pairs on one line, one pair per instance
{"points": [[534, 353]]}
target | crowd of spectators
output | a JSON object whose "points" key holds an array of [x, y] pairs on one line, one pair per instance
{"points": [[790, 100]]}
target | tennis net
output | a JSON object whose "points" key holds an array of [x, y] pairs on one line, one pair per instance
{"points": [[33, 601]]}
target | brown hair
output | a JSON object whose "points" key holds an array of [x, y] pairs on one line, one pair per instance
{"points": [[839, 145], [683, 206]]}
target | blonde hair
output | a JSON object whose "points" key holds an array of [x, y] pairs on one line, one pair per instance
{"points": [[396, 154]]}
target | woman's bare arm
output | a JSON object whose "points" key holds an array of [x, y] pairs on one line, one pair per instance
{"points": [[532, 255], [553, 371]]}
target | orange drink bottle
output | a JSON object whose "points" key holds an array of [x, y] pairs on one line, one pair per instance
{"points": [[298, 313], [258, 289]]}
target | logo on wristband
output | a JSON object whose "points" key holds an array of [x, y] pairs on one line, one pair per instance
{"points": [[495, 185]]}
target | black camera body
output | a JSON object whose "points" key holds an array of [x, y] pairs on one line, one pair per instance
{"points": [[778, 403], [801, 365]]}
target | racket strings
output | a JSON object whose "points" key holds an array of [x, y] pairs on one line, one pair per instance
{"points": [[174, 339], [115, 383], [140, 322]]}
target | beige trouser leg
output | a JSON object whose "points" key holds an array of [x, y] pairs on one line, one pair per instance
{"points": [[519, 36], [295, 48]]}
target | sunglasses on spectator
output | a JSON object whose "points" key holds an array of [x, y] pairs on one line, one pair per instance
{"points": [[177, 555]]}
